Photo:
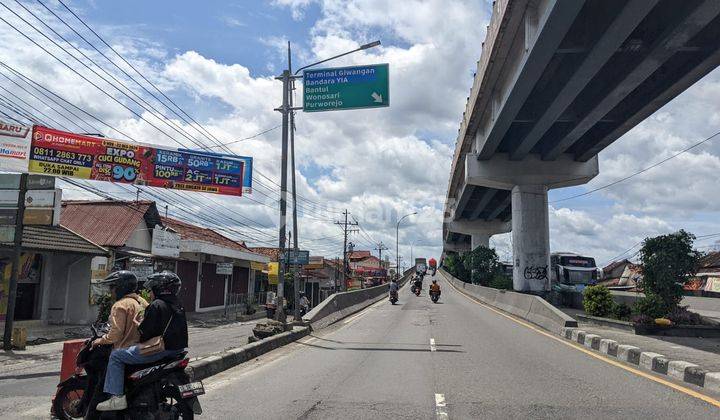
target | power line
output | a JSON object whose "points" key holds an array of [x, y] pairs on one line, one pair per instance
{"points": [[640, 171]]}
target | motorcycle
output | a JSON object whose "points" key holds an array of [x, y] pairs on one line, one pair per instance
{"points": [[393, 297], [434, 296], [417, 291], [155, 390]]}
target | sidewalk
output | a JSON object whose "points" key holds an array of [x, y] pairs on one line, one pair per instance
{"points": [[207, 335]]}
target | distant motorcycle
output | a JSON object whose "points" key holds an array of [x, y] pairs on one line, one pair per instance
{"points": [[417, 291], [393, 297], [434, 296]]}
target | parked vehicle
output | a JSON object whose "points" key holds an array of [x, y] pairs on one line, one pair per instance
{"points": [[417, 291], [420, 266], [155, 390]]}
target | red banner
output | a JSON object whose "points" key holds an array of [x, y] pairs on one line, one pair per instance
{"points": [[59, 153]]}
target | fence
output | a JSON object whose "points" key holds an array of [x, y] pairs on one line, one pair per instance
{"points": [[239, 303]]}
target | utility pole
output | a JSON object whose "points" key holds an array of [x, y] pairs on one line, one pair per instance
{"points": [[15, 270], [345, 224], [296, 278], [380, 248]]}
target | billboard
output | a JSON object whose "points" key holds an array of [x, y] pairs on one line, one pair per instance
{"points": [[59, 153], [247, 168], [14, 146]]}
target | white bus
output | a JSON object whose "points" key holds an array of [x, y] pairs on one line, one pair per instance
{"points": [[568, 268]]}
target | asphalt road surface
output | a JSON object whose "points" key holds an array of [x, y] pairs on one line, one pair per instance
{"points": [[456, 359]]}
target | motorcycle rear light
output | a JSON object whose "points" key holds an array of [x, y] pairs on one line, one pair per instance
{"points": [[182, 364]]}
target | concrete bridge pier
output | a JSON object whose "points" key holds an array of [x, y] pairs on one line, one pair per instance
{"points": [[529, 181]]}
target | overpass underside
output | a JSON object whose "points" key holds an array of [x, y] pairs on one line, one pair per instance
{"points": [[557, 82]]}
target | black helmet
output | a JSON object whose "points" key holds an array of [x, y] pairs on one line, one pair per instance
{"points": [[163, 283], [124, 282]]}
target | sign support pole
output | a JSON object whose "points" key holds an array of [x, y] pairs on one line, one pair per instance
{"points": [[285, 110], [15, 271]]}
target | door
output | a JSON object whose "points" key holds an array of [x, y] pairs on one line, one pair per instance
{"points": [[25, 301], [240, 278], [212, 287], [187, 271]]}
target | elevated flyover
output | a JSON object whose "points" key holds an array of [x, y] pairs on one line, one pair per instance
{"points": [[556, 83]]}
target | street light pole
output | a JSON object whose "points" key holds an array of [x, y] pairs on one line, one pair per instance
{"points": [[397, 242], [286, 110]]}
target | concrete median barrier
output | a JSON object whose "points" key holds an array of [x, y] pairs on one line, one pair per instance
{"points": [[340, 305], [529, 307]]}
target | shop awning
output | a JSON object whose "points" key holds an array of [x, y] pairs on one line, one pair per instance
{"points": [[60, 239]]}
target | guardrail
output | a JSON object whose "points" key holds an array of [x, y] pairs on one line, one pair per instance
{"points": [[529, 307], [339, 305]]}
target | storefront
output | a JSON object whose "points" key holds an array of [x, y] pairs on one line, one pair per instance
{"points": [[54, 276]]}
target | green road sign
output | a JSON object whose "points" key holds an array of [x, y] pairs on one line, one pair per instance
{"points": [[346, 88]]}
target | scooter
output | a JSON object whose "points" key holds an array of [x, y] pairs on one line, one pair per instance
{"points": [[154, 390], [434, 296], [393, 297], [417, 291]]}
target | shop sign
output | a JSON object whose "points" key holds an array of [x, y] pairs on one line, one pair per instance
{"points": [[38, 217], [7, 234], [224, 269], [60, 153], [254, 265], [9, 181], [14, 146], [8, 216], [41, 198], [9, 198], [165, 243]]}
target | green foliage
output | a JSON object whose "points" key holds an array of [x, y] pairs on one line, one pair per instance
{"points": [[453, 263], [104, 303], [681, 316], [621, 311], [597, 301], [652, 306], [145, 294], [483, 264], [668, 261], [501, 281]]}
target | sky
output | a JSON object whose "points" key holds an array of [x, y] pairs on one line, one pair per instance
{"points": [[218, 60]]}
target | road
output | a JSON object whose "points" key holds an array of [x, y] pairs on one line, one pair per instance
{"points": [[456, 359]]}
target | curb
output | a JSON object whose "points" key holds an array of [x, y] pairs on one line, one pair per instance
{"points": [[677, 369], [208, 366]]}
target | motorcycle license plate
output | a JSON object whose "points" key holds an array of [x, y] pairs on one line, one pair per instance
{"points": [[193, 389]]}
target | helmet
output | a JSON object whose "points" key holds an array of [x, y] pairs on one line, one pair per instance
{"points": [[124, 282], [163, 283]]}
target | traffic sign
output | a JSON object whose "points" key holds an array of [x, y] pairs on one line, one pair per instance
{"points": [[341, 88], [301, 258], [8, 216], [7, 234]]}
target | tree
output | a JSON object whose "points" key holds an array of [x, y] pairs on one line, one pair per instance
{"points": [[483, 264], [453, 263], [668, 261]]}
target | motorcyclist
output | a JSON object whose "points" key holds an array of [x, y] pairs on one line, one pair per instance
{"points": [[164, 317], [434, 287], [393, 286], [304, 304], [418, 282], [125, 312]]}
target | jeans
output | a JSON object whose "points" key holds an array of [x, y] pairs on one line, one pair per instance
{"points": [[115, 375]]}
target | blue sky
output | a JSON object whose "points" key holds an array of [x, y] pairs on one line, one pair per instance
{"points": [[217, 59]]}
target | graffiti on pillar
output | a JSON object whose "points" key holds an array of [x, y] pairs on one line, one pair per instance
{"points": [[536, 272]]}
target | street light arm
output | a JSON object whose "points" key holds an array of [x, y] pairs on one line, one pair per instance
{"points": [[362, 47]]}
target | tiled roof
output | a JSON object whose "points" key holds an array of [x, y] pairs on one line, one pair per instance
{"points": [[358, 255], [198, 233], [710, 260], [272, 253], [58, 238], [107, 223]]}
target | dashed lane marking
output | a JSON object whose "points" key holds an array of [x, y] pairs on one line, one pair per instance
{"points": [[440, 407], [432, 345]]}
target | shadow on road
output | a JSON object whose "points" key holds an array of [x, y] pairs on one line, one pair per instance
{"points": [[380, 348], [395, 344]]}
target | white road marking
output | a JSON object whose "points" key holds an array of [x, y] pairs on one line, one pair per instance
{"points": [[440, 406], [432, 345]]}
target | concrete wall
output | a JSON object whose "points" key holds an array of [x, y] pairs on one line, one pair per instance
{"points": [[339, 305], [529, 307], [140, 238], [66, 290]]}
